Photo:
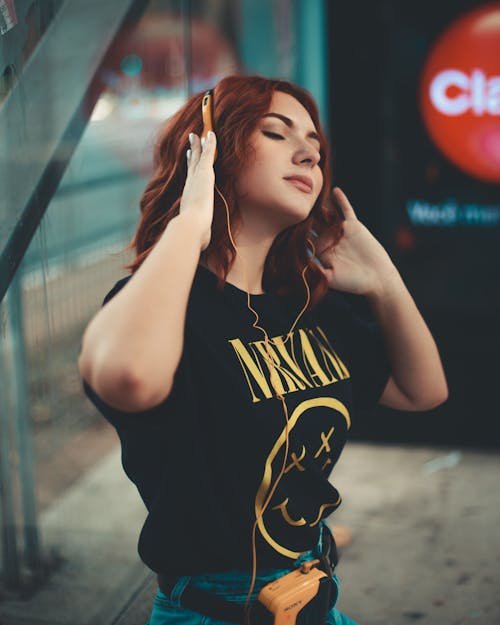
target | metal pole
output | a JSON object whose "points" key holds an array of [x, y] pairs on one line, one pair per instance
{"points": [[21, 410], [10, 556]]}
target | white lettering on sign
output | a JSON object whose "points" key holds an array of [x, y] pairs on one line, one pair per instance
{"points": [[451, 213], [476, 93]]}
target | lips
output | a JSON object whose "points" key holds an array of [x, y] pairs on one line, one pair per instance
{"points": [[303, 183]]}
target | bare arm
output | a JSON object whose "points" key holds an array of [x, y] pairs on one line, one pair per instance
{"points": [[132, 347], [359, 264], [418, 381]]}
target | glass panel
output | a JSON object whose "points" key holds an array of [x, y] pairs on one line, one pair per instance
{"points": [[70, 518], [22, 25]]}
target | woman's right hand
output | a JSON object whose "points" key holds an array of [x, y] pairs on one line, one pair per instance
{"points": [[198, 194]]}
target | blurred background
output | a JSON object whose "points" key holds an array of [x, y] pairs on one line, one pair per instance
{"points": [[410, 96]]}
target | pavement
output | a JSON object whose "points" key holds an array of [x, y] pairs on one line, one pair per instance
{"points": [[425, 547]]}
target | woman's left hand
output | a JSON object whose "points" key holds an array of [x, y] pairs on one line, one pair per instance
{"points": [[357, 263]]}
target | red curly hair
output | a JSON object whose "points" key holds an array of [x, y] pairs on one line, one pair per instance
{"points": [[239, 103]]}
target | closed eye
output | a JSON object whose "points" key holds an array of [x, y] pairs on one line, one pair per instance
{"points": [[272, 135]]}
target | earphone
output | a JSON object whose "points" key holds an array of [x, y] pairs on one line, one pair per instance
{"points": [[207, 115]]}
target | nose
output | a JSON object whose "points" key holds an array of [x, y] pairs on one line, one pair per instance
{"points": [[306, 154]]}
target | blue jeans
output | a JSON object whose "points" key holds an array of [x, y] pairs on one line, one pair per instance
{"points": [[232, 586], [168, 611]]}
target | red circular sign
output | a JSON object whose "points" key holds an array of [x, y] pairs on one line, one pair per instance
{"points": [[460, 93]]}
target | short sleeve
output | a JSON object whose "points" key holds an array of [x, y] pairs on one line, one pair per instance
{"points": [[362, 338], [117, 287], [119, 418], [369, 363]]}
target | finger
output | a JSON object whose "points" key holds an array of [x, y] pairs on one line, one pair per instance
{"points": [[343, 203], [208, 146], [189, 161], [194, 142]]}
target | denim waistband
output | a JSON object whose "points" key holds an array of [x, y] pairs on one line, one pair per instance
{"points": [[234, 585]]}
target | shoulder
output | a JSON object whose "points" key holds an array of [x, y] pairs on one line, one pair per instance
{"points": [[350, 311], [335, 302]]}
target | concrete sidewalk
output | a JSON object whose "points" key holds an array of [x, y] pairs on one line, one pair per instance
{"points": [[92, 530], [426, 546], [425, 549]]}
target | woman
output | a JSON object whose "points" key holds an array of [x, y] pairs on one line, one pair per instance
{"points": [[233, 359]]}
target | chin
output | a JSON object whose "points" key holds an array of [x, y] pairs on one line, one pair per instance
{"points": [[282, 216], [298, 214]]}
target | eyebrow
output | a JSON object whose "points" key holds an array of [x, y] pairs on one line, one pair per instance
{"points": [[290, 124]]}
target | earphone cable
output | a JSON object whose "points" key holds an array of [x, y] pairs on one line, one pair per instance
{"points": [[279, 395]]}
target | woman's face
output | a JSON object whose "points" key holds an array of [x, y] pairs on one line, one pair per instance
{"points": [[282, 180]]}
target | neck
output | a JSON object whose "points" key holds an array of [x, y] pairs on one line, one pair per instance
{"points": [[253, 238], [248, 267], [247, 270]]}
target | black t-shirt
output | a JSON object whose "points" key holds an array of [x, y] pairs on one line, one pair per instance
{"points": [[205, 460]]}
